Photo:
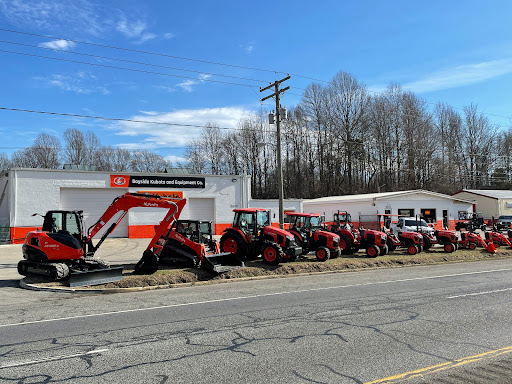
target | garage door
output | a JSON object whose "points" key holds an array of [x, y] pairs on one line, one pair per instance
{"points": [[201, 209], [93, 202]]}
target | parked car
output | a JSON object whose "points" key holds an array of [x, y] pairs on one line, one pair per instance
{"points": [[411, 224], [504, 222]]}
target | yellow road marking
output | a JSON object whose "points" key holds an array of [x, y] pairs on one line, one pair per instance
{"points": [[442, 366]]}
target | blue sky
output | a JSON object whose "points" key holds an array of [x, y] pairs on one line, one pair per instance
{"points": [[450, 51]]}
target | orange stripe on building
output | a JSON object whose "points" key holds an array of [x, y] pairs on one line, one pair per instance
{"points": [[18, 234]]}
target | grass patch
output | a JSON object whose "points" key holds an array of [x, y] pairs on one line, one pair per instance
{"points": [[170, 276]]}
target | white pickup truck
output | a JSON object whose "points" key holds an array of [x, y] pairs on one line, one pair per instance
{"points": [[410, 224]]}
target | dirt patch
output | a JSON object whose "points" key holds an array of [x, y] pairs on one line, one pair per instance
{"points": [[170, 276]]}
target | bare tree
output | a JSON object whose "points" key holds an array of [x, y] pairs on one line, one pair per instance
{"points": [[75, 151], [4, 162], [147, 161]]}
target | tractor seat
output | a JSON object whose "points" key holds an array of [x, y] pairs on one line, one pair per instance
{"points": [[63, 232]]}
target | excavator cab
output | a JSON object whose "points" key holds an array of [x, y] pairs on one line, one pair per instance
{"points": [[69, 223]]}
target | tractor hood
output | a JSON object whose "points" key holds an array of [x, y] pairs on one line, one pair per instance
{"points": [[277, 231]]}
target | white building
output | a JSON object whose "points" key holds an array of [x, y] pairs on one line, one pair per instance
{"points": [[432, 206], [491, 202], [27, 191]]}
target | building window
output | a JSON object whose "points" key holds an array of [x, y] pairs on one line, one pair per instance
{"points": [[409, 212], [429, 215]]}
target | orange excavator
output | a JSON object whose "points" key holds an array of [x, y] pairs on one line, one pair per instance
{"points": [[64, 249]]}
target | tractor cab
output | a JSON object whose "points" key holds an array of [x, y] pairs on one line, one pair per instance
{"points": [[304, 223], [342, 220], [251, 220], [196, 231]]}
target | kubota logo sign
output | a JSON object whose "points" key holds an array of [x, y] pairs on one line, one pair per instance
{"points": [[119, 181]]}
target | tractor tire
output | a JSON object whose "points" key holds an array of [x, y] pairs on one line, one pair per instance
{"points": [[449, 247], [335, 253], [372, 251], [272, 253], [509, 233], [427, 244], [346, 245], [234, 243], [472, 246], [383, 250], [412, 249], [322, 254]]}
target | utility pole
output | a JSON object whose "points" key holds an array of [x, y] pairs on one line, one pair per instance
{"points": [[276, 94]]}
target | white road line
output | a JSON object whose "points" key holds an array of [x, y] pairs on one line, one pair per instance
{"points": [[51, 358], [252, 297], [480, 293]]}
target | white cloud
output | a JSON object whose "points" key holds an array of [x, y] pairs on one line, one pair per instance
{"points": [[158, 136], [174, 159], [135, 30], [63, 45], [168, 35], [187, 85], [79, 16], [80, 82], [460, 76], [249, 47]]}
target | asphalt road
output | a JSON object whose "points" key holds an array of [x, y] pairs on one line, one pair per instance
{"points": [[335, 328]]}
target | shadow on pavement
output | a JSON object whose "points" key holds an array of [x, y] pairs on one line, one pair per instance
{"points": [[9, 283]]}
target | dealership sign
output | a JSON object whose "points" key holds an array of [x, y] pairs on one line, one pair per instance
{"points": [[125, 181]]}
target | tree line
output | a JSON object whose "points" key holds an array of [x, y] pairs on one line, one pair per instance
{"points": [[339, 139], [342, 139], [81, 148]]}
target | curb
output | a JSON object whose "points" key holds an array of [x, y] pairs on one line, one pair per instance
{"points": [[23, 284]]}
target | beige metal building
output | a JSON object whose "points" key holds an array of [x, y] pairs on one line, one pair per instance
{"points": [[491, 202]]}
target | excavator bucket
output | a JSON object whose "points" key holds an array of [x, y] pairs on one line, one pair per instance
{"points": [[221, 262], [490, 247], [95, 276], [147, 265]]}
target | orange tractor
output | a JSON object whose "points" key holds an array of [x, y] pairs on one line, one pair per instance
{"points": [[309, 231], [252, 235]]}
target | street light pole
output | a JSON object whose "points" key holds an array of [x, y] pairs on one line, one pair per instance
{"points": [[278, 129]]}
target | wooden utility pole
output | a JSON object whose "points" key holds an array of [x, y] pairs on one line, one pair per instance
{"points": [[276, 94]]}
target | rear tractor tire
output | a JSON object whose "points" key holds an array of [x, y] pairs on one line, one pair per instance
{"points": [[383, 250], [345, 245], [322, 254], [233, 242]]}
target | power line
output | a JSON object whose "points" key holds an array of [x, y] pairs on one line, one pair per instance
{"points": [[140, 51], [124, 120], [131, 61], [128, 69], [210, 62]]}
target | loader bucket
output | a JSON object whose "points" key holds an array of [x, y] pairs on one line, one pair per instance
{"points": [[221, 262], [490, 247], [95, 276], [147, 265]]}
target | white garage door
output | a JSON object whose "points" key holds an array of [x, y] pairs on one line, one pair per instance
{"points": [[201, 209], [93, 202]]}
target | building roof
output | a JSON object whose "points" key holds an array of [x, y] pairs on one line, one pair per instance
{"points": [[381, 196], [492, 193]]}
